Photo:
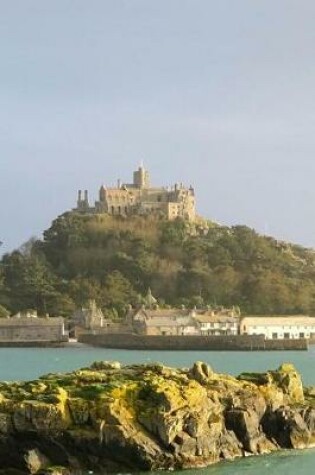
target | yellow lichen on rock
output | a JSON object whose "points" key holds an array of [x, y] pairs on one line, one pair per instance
{"points": [[154, 416]]}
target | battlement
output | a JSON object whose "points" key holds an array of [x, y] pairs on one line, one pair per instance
{"points": [[139, 198]]}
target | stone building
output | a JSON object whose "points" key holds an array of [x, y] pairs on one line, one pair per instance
{"points": [[218, 322], [89, 317], [140, 198], [164, 322], [29, 328], [152, 320]]}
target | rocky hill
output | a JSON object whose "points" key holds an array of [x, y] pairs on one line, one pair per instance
{"points": [[148, 417], [114, 260]]}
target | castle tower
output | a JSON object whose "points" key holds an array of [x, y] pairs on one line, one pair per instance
{"points": [[86, 198], [102, 194], [79, 201], [83, 203], [141, 178]]}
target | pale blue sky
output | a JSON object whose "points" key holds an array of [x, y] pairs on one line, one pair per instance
{"points": [[217, 94]]}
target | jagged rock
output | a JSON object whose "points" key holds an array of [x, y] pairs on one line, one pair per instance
{"points": [[106, 365], [288, 379], [288, 428], [201, 372], [112, 418], [35, 461]]}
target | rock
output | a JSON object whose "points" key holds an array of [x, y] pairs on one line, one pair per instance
{"points": [[289, 381], [111, 418], [6, 425], [106, 365], [54, 471], [35, 461], [201, 372]]}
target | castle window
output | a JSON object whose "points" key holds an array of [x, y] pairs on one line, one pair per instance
{"points": [[113, 209], [119, 209]]}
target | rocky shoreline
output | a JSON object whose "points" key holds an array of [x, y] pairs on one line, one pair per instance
{"points": [[110, 418]]}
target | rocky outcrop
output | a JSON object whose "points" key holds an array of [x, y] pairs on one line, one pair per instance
{"points": [[112, 418]]}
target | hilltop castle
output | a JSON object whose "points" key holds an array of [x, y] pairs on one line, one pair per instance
{"points": [[139, 198]]}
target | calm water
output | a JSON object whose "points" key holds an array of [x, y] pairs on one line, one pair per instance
{"points": [[29, 363]]}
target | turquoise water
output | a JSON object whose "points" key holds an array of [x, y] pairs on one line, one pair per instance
{"points": [[29, 363]]}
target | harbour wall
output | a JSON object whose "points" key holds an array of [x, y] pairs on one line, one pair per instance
{"points": [[194, 342]]}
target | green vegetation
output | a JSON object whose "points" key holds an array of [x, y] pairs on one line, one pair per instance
{"points": [[4, 312], [115, 260]]}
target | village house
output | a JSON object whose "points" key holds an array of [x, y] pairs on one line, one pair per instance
{"points": [[85, 318], [279, 327], [90, 318], [152, 320], [30, 328], [224, 322], [164, 322]]}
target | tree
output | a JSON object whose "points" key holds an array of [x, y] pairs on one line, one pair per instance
{"points": [[118, 292], [4, 312], [29, 281]]}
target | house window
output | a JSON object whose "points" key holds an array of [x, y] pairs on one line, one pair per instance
{"points": [[274, 336], [286, 335], [301, 335]]}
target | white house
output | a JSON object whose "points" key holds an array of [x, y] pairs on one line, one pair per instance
{"points": [[216, 324], [279, 327]]}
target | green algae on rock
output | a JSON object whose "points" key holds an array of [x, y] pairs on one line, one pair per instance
{"points": [[145, 417]]}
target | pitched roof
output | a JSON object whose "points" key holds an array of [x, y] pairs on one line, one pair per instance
{"points": [[208, 318], [170, 322], [30, 321], [162, 312], [276, 320]]}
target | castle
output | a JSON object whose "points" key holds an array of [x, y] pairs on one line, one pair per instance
{"points": [[139, 198]]}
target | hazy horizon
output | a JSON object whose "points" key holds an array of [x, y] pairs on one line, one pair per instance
{"points": [[218, 95]]}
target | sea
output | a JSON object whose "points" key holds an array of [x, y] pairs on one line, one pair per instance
{"points": [[29, 363]]}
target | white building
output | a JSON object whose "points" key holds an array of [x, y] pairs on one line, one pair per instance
{"points": [[217, 324], [279, 327]]}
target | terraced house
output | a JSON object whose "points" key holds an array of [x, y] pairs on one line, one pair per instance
{"points": [[275, 327]]}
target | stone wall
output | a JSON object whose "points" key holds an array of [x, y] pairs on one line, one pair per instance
{"points": [[202, 343], [32, 329]]}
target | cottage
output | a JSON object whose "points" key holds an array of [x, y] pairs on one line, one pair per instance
{"points": [[164, 322], [217, 323], [279, 327]]}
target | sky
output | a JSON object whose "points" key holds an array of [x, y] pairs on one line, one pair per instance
{"points": [[214, 94]]}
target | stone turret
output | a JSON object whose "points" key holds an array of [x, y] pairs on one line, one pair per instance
{"points": [[149, 300], [102, 194], [83, 203], [141, 178]]}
